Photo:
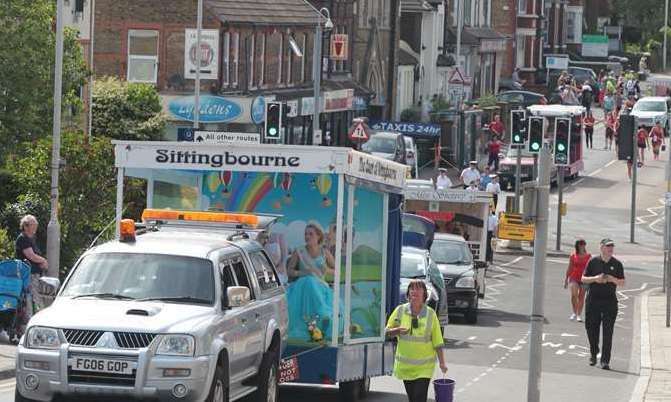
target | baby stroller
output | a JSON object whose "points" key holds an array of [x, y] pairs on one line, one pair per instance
{"points": [[14, 288]]}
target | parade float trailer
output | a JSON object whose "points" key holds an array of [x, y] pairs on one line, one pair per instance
{"points": [[355, 197]]}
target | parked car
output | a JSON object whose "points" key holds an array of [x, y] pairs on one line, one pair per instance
{"points": [[416, 263], [178, 313], [418, 231], [522, 98], [464, 277], [411, 153], [652, 109], [387, 145]]}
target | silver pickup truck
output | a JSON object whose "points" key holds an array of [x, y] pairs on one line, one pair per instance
{"points": [[184, 312]]}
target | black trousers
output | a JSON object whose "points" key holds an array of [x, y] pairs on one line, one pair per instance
{"points": [[589, 134], [417, 390], [600, 314], [490, 250]]}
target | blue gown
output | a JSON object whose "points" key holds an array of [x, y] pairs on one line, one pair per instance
{"points": [[310, 299]]}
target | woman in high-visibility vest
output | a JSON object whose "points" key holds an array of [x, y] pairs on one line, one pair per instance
{"points": [[419, 342]]}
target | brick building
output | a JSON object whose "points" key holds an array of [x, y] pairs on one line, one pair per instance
{"points": [[253, 51]]}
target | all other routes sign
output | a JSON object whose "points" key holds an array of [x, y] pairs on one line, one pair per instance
{"points": [[359, 132]]}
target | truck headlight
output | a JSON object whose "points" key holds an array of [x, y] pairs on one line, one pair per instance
{"points": [[465, 282], [176, 345], [43, 338]]}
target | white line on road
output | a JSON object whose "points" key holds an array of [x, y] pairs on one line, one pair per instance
{"points": [[596, 172], [610, 163]]}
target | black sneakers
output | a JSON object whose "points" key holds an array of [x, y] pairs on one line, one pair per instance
{"points": [[605, 366], [592, 361]]}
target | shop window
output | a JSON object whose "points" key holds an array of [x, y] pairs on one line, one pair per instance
{"points": [[142, 56], [573, 24], [520, 59], [226, 57], [235, 54], [521, 7]]}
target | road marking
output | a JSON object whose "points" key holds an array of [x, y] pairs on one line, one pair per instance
{"points": [[509, 348], [560, 352], [610, 163], [7, 385], [472, 338], [643, 286], [509, 263], [568, 335], [596, 172], [578, 181]]}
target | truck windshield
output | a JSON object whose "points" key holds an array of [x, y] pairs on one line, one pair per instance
{"points": [[413, 266], [385, 145], [129, 276], [451, 252]]}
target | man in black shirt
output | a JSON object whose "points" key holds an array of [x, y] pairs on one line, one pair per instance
{"points": [[603, 274], [26, 250]]}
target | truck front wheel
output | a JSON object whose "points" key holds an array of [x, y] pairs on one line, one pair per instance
{"points": [[268, 386]]}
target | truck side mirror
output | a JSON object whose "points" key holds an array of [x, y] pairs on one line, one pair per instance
{"points": [[237, 296]]}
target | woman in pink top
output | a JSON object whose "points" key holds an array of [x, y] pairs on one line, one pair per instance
{"points": [[576, 266]]}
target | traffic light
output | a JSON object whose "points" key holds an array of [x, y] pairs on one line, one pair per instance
{"points": [[517, 128], [273, 124], [625, 135], [535, 134], [562, 141]]}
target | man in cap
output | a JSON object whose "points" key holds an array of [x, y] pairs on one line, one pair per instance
{"points": [[494, 188], [443, 182], [470, 174], [604, 273]]}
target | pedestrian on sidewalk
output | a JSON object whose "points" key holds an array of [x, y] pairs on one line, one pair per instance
{"points": [[576, 267], [611, 121], [497, 128], [604, 273], [494, 147], [443, 181], [417, 329], [589, 130], [641, 143], [657, 139], [494, 188], [492, 225], [470, 174]]}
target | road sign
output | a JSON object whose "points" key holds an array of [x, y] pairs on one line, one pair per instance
{"points": [[359, 131], [218, 137], [512, 227]]}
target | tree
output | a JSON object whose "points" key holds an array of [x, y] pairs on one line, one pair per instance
{"points": [[87, 190], [130, 111], [27, 57]]}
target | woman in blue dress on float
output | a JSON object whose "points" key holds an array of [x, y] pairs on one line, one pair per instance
{"points": [[309, 295]]}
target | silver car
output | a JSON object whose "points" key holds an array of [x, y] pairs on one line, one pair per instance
{"points": [[179, 314], [652, 109]]}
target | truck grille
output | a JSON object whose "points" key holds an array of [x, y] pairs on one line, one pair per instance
{"points": [[125, 340], [94, 378]]}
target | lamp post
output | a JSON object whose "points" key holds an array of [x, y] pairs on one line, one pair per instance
{"points": [[196, 98], [54, 228], [317, 69], [666, 25]]}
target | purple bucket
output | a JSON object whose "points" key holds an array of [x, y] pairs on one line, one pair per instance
{"points": [[444, 388]]}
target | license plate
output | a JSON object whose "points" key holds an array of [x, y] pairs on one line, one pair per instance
{"points": [[289, 370], [102, 365]]}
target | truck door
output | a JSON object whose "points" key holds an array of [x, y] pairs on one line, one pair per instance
{"points": [[268, 285], [249, 317], [231, 327]]}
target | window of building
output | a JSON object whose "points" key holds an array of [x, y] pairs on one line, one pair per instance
{"points": [[142, 56], [235, 54], [486, 12], [226, 57], [290, 65], [305, 57], [252, 57], [468, 20], [262, 60], [573, 24], [521, 48], [521, 7]]}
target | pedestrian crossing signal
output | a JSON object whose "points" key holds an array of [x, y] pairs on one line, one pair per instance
{"points": [[561, 141], [517, 128], [536, 134]]}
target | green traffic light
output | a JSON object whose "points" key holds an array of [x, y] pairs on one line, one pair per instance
{"points": [[561, 147], [272, 131], [536, 146], [517, 138]]}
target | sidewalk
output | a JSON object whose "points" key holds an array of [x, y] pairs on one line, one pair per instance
{"points": [[7, 355], [655, 351]]}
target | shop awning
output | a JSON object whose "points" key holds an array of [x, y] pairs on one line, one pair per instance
{"points": [[263, 12]]}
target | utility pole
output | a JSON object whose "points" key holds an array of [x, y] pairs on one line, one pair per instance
{"points": [[666, 25], [518, 179], [634, 167], [460, 27], [667, 241], [317, 76], [199, 56], [560, 201], [540, 251], [54, 228], [92, 22]]}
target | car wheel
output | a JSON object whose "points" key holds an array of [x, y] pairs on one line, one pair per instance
{"points": [[349, 391], [20, 398], [268, 386], [218, 389], [472, 314]]}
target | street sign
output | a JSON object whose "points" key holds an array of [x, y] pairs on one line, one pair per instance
{"points": [[359, 131], [339, 49], [219, 137], [512, 227]]}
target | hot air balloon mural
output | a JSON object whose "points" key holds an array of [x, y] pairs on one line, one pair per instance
{"points": [[213, 182], [226, 176], [323, 184], [286, 186]]}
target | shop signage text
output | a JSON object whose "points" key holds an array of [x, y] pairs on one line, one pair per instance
{"points": [[408, 128], [213, 109]]}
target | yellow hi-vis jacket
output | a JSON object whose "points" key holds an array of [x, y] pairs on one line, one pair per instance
{"points": [[416, 351]]}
